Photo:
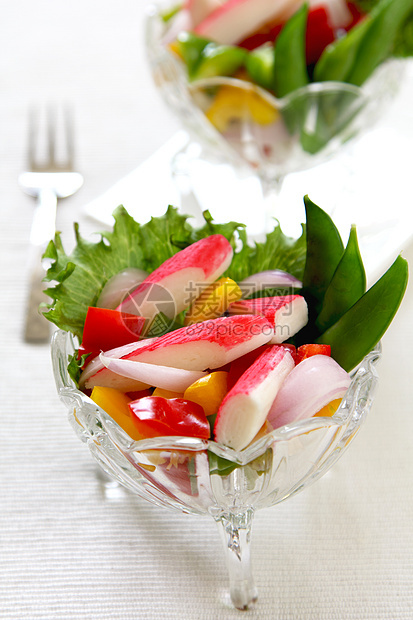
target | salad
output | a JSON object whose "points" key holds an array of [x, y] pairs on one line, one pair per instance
{"points": [[280, 47], [199, 333], [283, 45]]}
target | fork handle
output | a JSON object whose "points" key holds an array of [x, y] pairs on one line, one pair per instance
{"points": [[44, 218], [37, 328]]}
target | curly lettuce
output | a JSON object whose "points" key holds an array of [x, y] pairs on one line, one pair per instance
{"points": [[77, 279]]}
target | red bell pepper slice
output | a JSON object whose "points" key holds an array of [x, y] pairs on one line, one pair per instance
{"points": [[319, 34], [155, 416], [267, 34], [307, 350], [106, 329]]}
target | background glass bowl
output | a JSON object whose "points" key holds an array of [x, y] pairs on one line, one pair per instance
{"points": [[202, 477], [301, 130]]}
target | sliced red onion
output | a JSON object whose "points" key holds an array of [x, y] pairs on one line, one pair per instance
{"points": [[268, 279], [166, 377], [95, 365], [311, 385], [117, 287]]}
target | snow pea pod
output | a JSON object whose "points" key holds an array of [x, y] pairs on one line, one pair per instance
{"points": [[220, 466], [190, 48], [219, 60], [338, 59], [403, 45], [362, 326], [347, 285], [324, 251], [290, 67], [353, 58], [260, 66], [328, 114], [380, 38], [205, 58]]}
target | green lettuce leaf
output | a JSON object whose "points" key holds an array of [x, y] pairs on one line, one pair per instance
{"points": [[77, 279], [356, 320], [277, 252]]}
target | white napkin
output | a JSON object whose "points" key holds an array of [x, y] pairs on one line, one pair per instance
{"points": [[362, 186], [151, 187]]}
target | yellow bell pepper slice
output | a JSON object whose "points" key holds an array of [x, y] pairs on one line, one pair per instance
{"points": [[166, 393], [115, 403], [174, 48], [329, 410], [213, 301], [208, 391], [235, 104]]}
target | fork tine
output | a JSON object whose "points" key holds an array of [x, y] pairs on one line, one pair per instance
{"points": [[51, 138], [51, 135], [69, 135], [33, 128], [50, 176]]}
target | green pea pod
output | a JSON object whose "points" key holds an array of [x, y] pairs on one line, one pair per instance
{"points": [[338, 59], [290, 67], [204, 58], [403, 45], [354, 57], [362, 326], [190, 47], [219, 60], [260, 66], [347, 285], [324, 251], [168, 14], [326, 115], [380, 38], [220, 466]]}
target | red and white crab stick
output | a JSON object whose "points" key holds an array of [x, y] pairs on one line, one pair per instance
{"points": [[245, 408], [235, 19], [206, 345], [186, 273], [286, 313]]}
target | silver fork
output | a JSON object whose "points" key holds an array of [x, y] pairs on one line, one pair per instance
{"points": [[47, 179]]}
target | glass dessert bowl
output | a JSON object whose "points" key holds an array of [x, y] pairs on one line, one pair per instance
{"points": [[201, 477], [237, 122]]}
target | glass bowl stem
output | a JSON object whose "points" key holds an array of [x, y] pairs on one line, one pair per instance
{"points": [[235, 531]]}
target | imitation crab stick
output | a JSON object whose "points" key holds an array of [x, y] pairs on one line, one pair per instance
{"points": [[208, 345], [287, 314], [244, 409], [168, 288]]}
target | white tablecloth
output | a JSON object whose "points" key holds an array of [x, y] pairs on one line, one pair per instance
{"points": [[73, 547]]}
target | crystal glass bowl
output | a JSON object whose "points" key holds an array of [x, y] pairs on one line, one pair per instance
{"points": [[205, 478], [272, 137]]}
